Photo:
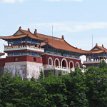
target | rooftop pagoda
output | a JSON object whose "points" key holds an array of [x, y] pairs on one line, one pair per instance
{"points": [[96, 55]]}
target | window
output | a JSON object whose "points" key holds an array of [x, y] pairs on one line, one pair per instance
{"points": [[71, 64], [64, 63], [50, 61], [57, 62]]}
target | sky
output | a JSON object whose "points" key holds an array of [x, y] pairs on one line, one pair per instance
{"points": [[77, 20]]}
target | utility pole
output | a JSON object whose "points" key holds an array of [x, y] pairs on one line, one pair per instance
{"points": [[92, 40]]}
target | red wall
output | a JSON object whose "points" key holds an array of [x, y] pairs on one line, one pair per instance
{"points": [[46, 56], [43, 60], [23, 58], [2, 62]]}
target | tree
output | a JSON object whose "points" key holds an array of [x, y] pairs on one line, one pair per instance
{"points": [[96, 81], [56, 91], [15, 92], [76, 89], [103, 64]]}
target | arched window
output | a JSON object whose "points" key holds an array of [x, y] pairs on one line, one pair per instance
{"points": [[57, 62], [50, 61], [71, 64], [77, 65], [64, 63]]}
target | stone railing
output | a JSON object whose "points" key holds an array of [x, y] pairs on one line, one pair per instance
{"points": [[91, 61], [11, 48], [51, 67]]}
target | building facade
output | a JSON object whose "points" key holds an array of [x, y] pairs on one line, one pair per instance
{"points": [[30, 53], [95, 56]]}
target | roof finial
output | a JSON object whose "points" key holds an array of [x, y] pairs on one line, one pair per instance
{"points": [[96, 44], [102, 45], [28, 29], [63, 37], [20, 27], [35, 32]]}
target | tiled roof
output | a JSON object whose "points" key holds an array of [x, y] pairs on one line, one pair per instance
{"points": [[58, 43], [97, 49], [17, 35]]}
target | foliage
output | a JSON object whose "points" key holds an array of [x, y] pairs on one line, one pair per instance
{"points": [[15, 92], [56, 91], [77, 89], [103, 64], [96, 80]]}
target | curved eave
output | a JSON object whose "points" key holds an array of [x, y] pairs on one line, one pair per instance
{"points": [[18, 37], [78, 52], [67, 47], [96, 52], [75, 49], [11, 37]]}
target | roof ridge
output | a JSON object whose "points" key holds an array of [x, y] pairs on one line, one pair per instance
{"points": [[24, 31], [50, 36]]}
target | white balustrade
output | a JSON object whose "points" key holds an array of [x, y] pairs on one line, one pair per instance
{"points": [[91, 61], [51, 67], [11, 48]]}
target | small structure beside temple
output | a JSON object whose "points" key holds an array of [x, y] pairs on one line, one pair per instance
{"points": [[30, 53], [95, 56]]}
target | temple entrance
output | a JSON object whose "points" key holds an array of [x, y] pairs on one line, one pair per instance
{"points": [[71, 65], [50, 61], [57, 63], [64, 64]]}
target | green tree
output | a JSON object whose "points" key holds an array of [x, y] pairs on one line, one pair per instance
{"points": [[103, 64], [76, 89], [96, 81], [56, 91], [15, 92]]}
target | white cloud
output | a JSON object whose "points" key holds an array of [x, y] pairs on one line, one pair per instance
{"points": [[11, 1], [64, 0], [74, 26]]}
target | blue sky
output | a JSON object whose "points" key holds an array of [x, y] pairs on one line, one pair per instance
{"points": [[77, 20]]}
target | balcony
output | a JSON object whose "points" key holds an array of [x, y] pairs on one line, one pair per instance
{"points": [[92, 62], [59, 68], [32, 48]]}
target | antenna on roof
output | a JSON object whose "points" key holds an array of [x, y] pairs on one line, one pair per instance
{"points": [[52, 30], [92, 40], [28, 29]]}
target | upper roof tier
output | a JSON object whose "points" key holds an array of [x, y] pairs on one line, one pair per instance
{"points": [[97, 49], [57, 43], [20, 34]]}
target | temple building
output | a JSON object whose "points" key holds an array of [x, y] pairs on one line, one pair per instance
{"points": [[30, 53], [95, 56]]}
